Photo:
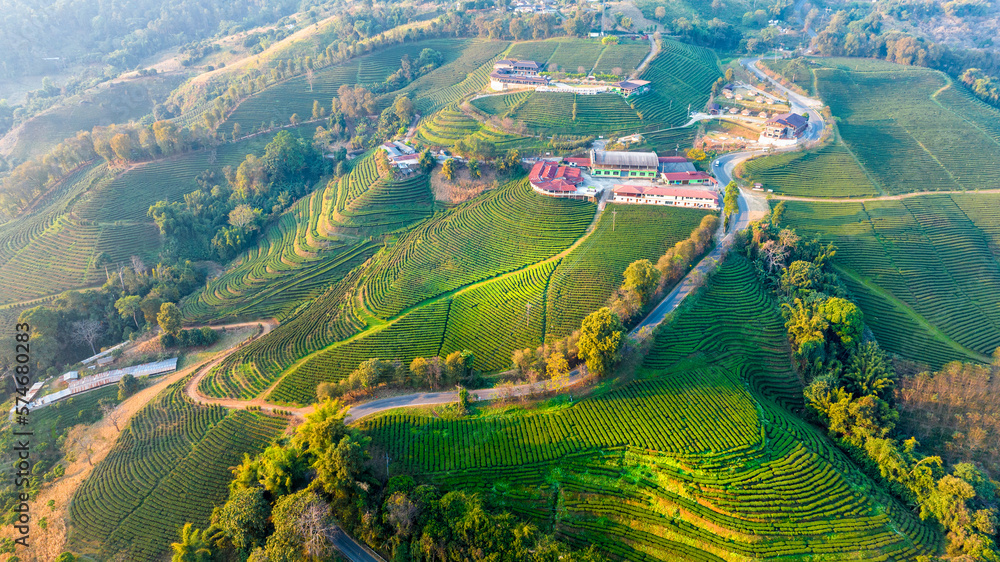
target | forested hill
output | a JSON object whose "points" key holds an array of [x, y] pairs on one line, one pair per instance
{"points": [[117, 33]]}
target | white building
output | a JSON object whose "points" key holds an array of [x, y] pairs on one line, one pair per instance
{"points": [[676, 197]]}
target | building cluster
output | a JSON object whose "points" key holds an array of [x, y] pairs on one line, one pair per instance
{"points": [[673, 180], [513, 74], [402, 156], [785, 126], [536, 7]]}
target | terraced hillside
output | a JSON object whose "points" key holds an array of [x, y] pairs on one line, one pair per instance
{"points": [[170, 465], [459, 310], [362, 203], [504, 230], [448, 126], [277, 103], [567, 54], [681, 76], [564, 113], [831, 171], [466, 74], [924, 269], [593, 270], [911, 128], [49, 250], [648, 469], [98, 210]]}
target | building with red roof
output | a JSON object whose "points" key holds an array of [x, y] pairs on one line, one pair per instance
{"points": [[674, 196], [688, 178], [552, 179], [583, 162]]}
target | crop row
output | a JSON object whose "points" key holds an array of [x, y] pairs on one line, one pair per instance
{"points": [[924, 253], [506, 229], [830, 171], [417, 334], [468, 73], [328, 318], [592, 271], [910, 131], [170, 465], [283, 270], [498, 317], [675, 463]]}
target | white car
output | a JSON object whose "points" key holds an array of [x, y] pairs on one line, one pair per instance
{"points": [[716, 162]]}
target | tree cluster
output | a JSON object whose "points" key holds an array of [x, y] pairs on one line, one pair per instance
{"points": [[222, 216], [850, 390], [550, 361], [127, 303], [287, 503], [190, 338], [423, 372], [676, 262], [859, 33], [955, 412]]}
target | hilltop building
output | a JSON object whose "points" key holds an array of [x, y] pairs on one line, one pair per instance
{"points": [[688, 178], [552, 179], [631, 87], [673, 164], [511, 74], [402, 156], [673, 196], [624, 164], [784, 126]]}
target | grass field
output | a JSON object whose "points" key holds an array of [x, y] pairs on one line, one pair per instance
{"points": [[918, 266], [911, 128], [646, 469], [170, 465], [830, 171], [592, 271]]}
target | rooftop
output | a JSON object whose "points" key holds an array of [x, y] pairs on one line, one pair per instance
{"points": [[625, 189], [629, 159], [680, 176], [550, 176], [793, 120]]}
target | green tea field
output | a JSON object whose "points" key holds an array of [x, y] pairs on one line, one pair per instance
{"points": [[924, 269], [830, 171], [646, 469], [911, 128], [593, 270], [492, 302], [170, 465]]}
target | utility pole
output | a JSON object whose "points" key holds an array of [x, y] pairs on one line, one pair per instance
{"points": [[527, 314], [614, 216]]}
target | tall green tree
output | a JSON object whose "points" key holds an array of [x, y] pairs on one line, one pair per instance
{"points": [[641, 277], [169, 318], [601, 338]]}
